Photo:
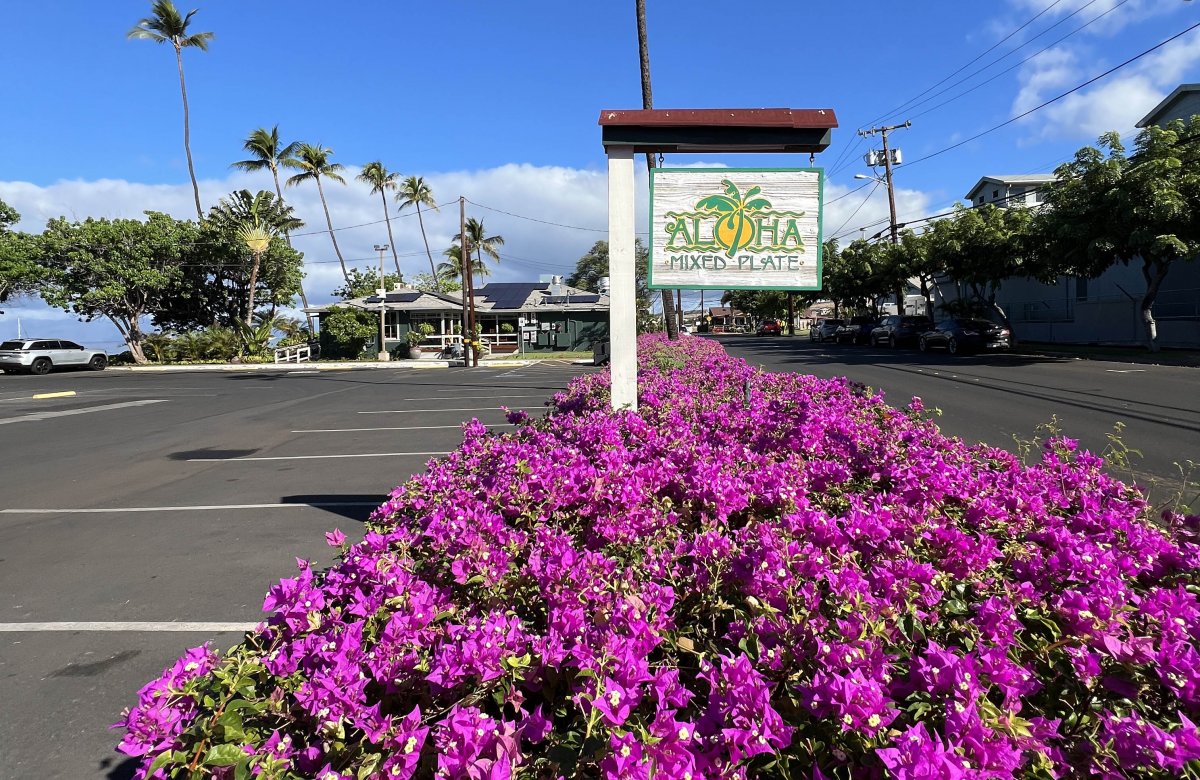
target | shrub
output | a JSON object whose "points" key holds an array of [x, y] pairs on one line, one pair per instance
{"points": [[757, 575]]}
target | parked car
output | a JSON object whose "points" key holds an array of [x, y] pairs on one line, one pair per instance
{"points": [[40, 356], [770, 328], [960, 334], [823, 329], [897, 329], [856, 330]]}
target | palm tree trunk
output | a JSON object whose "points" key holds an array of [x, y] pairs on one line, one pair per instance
{"points": [[287, 236], [668, 302], [253, 282], [187, 135], [391, 241], [437, 284], [332, 237]]}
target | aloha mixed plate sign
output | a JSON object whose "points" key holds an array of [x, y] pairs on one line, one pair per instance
{"points": [[736, 228]]}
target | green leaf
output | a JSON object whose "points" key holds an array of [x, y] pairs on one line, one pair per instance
{"points": [[717, 203], [224, 755]]}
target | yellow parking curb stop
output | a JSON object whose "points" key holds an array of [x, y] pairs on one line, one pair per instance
{"points": [[64, 394]]}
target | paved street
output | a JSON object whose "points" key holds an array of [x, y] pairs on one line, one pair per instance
{"points": [[993, 397], [150, 501]]}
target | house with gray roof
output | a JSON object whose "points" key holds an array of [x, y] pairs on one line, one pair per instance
{"points": [[512, 316]]}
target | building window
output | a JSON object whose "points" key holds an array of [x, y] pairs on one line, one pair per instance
{"points": [[1081, 288], [995, 194]]}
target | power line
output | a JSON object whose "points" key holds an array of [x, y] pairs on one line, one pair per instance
{"points": [[1017, 65], [1055, 99], [854, 213], [978, 57], [534, 219]]}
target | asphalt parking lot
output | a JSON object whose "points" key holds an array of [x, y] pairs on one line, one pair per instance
{"points": [[149, 513]]}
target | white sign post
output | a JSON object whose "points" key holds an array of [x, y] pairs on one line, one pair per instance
{"points": [[622, 312], [735, 228]]}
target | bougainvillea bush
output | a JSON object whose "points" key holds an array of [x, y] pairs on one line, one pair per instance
{"points": [[757, 575]]}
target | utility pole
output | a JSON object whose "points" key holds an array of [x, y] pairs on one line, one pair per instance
{"points": [[468, 283], [887, 168], [891, 192], [383, 353]]}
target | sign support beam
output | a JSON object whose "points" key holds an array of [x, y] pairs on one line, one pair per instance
{"points": [[621, 266]]}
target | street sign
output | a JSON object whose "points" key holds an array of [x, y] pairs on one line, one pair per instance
{"points": [[736, 228]]}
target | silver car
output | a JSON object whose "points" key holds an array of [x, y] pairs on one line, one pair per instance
{"points": [[40, 356]]}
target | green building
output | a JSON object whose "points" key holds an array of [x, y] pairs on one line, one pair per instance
{"points": [[535, 317]]}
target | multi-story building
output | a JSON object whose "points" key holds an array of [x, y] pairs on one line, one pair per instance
{"points": [[1104, 309]]}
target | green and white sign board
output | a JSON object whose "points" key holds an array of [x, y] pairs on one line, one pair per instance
{"points": [[736, 228]]}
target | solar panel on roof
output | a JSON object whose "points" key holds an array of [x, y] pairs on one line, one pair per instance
{"points": [[509, 295], [407, 297], [563, 299]]}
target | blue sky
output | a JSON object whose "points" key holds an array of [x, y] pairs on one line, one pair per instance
{"points": [[498, 102]]}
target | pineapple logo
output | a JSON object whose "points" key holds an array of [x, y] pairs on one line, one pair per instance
{"points": [[732, 222]]}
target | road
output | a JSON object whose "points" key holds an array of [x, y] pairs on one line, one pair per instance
{"points": [[994, 397], [150, 513]]}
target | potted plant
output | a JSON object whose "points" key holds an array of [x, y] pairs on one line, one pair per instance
{"points": [[415, 336]]}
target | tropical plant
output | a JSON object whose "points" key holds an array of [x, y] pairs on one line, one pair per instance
{"points": [[382, 180], [345, 330], [313, 163], [419, 333], [734, 229], [256, 337], [257, 238], [414, 191], [479, 242], [268, 153], [166, 25], [452, 269]]}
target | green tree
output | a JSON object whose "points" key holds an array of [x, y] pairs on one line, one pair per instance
{"points": [[218, 268], [912, 257], [18, 256], [979, 248], [364, 283], [268, 153], [430, 283], [382, 180], [759, 304], [452, 269], [166, 25], [313, 163], [119, 269], [1106, 208], [414, 191], [594, 265], [345, 330]]}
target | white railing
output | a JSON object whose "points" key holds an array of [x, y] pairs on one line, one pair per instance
{"points": [[299, 354]]}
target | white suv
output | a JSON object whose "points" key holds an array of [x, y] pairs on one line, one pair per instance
{"points": [[39, 356]]}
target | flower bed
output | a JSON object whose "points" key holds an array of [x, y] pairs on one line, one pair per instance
{"points": [[758, 575]]}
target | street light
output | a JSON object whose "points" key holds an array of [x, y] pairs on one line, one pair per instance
{"points": [[875, 179], [383, 353]]}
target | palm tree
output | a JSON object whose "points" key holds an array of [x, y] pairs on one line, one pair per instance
{"points": [[313, 162], [413, 191], [166, 24], [257, 238], [479, 242], [668, 303], [453, 267], [381, 180], [263, 144]]}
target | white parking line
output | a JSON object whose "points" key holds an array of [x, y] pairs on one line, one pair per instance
{"points": [[197, 508], [174, 625], [476, 397], [408, 428], [430, 411], [38, 416], [319, 457]]}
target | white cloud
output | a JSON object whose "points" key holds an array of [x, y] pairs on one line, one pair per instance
{"points": [[1114, 103], [571, 204]]}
